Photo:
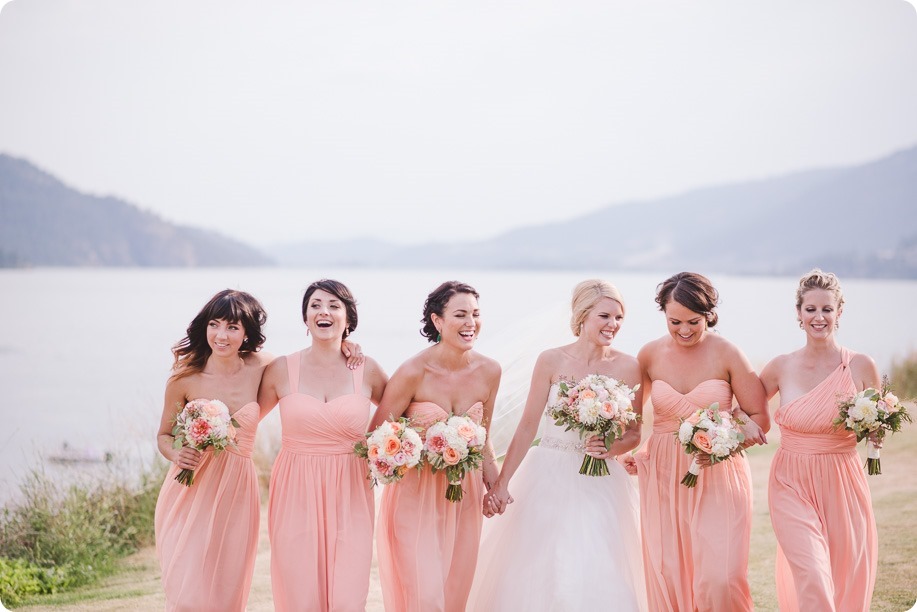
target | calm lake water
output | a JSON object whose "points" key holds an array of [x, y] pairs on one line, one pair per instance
{"points": [[84, 354]]}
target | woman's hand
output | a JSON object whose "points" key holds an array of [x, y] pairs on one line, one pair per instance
{"points": [[595, 447], [753, 432], [187, 458], [496, 500], [354, 354], [628, 462]]}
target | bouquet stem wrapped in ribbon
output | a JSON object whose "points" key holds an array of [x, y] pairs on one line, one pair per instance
{"points": [[709, 431], [872, 411], [200, 424], [391, 450], [597, 405], [455, 446]]}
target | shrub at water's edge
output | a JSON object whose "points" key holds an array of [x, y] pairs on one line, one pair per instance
{"points": [[61, 537], [904, 377]]}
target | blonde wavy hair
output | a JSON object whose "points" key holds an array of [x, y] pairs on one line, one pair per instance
{"points": [[586, 295]]}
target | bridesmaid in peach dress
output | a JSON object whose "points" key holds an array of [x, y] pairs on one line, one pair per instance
{"points": [[207, 534], [819, 500], [427, 545], [695, 540], [321, 508]]}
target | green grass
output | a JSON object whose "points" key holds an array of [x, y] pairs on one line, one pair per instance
{"points": [[58, 538]]}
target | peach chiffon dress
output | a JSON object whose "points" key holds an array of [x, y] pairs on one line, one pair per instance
{"points": [[695, 540], [428, 545], [320, 513], [820, 505], [207, 534]]}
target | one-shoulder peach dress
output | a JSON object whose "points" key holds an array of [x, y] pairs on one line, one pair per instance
{"points": [[320, 513], [820, 505], [695, 540], [428, 545], [207, 534]]}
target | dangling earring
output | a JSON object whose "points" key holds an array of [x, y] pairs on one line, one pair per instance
{"points": [[439, 337], [837, 324], [800, 323], [307, 331]]}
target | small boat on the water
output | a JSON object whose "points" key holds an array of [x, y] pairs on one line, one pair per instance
{"points": [[69, 454]]}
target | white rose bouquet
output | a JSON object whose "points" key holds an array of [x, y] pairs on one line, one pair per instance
{"points": [[872, 411], [391, 450], [710, 431], [455, 446], [595, 406]]}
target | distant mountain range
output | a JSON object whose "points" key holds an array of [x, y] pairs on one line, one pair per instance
{"points": [[46, 223], [856, 221]]}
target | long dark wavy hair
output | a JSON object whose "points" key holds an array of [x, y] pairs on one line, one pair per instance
{"points": [[693, 291], [341, 292], [436, 303], [192, 351]]}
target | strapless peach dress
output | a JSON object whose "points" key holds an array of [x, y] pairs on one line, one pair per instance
{"points": [[695, 540], [207, 534], [820, 505], [427, 545], [321, 507]]}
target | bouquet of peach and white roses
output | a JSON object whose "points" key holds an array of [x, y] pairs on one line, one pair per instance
{"points": [[871, 411], [597, 405], [200, 424], [454, 446], [709, 431], [391, 450]]}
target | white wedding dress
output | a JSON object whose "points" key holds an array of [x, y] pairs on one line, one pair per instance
{"points": [[569, 542]]}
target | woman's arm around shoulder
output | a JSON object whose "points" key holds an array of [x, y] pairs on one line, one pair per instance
{"points": [[376, 378], [399, 391]]}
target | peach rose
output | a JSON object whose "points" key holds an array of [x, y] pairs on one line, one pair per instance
{"points": [[694, 419], [587, 394], [892, 402], [702, 441], [373, 451], [467, 431], [391, 445], [451, 456], [396, 426]]}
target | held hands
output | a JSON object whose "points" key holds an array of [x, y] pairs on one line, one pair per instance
{"points": [[354, 354], [496, 500], [628, 462], [753, 432], [188, 458]]}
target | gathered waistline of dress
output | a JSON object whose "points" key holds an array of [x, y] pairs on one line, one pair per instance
{"points": [[319, 451], [816, 444], [562, 445]]}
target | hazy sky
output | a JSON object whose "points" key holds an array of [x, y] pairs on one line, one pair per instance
{"points": [[428, 120]]}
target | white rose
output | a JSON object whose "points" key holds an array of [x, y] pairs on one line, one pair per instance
{"points": [[685, 432]]}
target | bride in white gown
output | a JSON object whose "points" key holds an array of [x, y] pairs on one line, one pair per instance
{"points": [[562, 540]]}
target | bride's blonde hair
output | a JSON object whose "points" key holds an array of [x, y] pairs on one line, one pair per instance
{"points": [[586, 295]]}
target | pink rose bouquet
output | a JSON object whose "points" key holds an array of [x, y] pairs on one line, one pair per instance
{"points": [[872, 411], [200, 424], [597, 405], [709, 431], [391, 450], [454, 446]]}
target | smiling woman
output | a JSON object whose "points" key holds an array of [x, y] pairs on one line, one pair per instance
{"points": [[321, 509]]}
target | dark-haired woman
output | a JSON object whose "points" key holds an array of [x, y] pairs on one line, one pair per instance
{"points": [[695, 540], [321, 506], [428, 545], [207, 533]]}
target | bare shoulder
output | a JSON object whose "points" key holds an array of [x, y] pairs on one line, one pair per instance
{"points": [[371, 366], [259, 360], [627, 363], [863, 368], [490, 367], [413, 368], [649, 351]]}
